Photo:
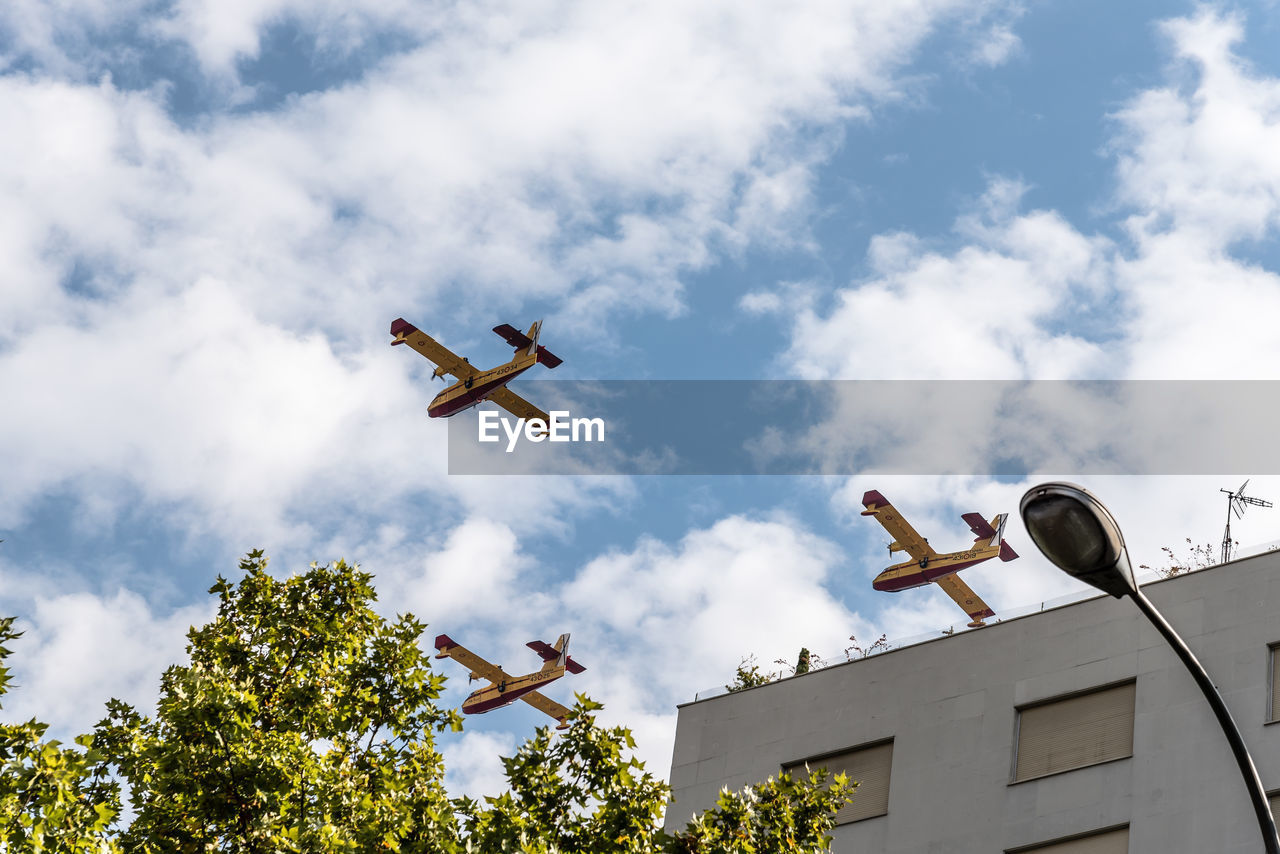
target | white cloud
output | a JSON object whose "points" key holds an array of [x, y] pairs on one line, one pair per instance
{"points": [[1200, 164], [980, 312], [1205, 158], [1027, 295], [78, 650], [62, 37], [471, 575], [660, 622], [191, 399], [473, 763], [739, 586], [1000, 43]]}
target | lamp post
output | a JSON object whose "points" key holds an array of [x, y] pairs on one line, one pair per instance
{"points": [[1077, 533]]}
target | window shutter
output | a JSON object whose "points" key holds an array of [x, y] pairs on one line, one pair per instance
{"points": [[1074, 732], [1107, 842], [869, 766], [1275, 683]]}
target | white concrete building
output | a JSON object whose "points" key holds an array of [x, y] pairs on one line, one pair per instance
{"points": [[1071, 730]]}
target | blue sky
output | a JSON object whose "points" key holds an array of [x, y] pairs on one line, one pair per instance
{"points": [[212, 212]]}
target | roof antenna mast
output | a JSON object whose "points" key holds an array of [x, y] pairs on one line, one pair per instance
{"points": [[1236, 502]]}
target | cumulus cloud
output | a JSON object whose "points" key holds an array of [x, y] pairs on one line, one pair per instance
{"points": [[980, 312], [1204, 158], [189, 396], [471, 575], [1012, 294], [664, 621], [79, 649], [473, 763], [1199, 165]]}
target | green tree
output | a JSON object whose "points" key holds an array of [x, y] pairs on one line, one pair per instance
{"points": [[306, 722], [51, 798], [783, 814], [577, 792], [581, 794]]}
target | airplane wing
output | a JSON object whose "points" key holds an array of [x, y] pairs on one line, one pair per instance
{"points": [[517, 405], [448, 649], [448, 361], [965, 597], [545, 704], [904, 536]]}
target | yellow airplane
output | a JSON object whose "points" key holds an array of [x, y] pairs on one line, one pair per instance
{"points": [[504, 689], [926, 565], [474, 385]]}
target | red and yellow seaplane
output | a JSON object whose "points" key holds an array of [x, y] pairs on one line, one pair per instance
{"points": [[504, 689], [474, 385], [926, 565]]}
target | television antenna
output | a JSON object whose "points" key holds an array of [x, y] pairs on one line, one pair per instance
{"points": [[1236, 502]]}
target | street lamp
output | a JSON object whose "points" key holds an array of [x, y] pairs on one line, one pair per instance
{"points": [[1079, 535]]}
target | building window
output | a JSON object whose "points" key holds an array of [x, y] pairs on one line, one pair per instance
{"points": [[1275, 682], [868, 765], [1114, 841], [1075, 731]]}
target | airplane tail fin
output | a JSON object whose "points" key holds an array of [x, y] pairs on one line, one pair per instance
{"points": [[562, 646], [534, 331], [998, 522], [555, 656], [545, 356], [991, 533], [1006, 551]]}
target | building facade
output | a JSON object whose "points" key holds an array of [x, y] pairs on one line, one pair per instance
{"points": [[1070, 731]]}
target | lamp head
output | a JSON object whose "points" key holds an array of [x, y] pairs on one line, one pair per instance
{"points": [[1078, 534]]}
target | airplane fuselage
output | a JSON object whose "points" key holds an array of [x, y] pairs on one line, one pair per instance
{"points": [[467, 393], [914, 573], [507, 692]]}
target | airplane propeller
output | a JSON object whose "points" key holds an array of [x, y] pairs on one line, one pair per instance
{"points": [[441, 372]]}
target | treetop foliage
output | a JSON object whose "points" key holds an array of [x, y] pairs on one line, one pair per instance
{"points": [[51, 798]]}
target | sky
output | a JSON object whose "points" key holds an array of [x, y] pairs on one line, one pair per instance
{"points": [[212, 211]]}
